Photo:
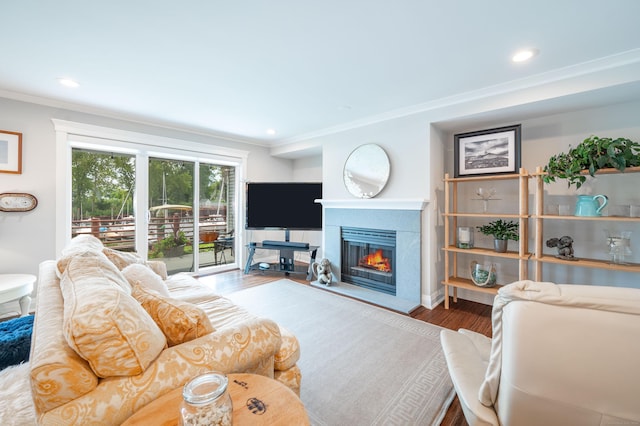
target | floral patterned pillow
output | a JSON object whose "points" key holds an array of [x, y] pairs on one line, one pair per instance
{"points": [[179, 321], [122, 259], [102, 323]]}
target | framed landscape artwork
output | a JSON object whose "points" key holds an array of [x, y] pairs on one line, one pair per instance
{"points": [[10, 152], [487, 152]]}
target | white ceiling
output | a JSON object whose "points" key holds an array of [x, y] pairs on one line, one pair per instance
{"points": [[240, 67]]}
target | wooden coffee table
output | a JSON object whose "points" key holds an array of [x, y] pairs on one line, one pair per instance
{"points": [[257, 400], [17, 287]]}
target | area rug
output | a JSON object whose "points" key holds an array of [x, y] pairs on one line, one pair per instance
{"points": [[361, 365], [16, 404]]}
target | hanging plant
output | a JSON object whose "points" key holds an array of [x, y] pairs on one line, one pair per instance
{"points": [[592, 154]]}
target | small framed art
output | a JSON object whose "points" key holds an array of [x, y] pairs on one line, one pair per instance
{"points": [[10, 152], [487, 152]]}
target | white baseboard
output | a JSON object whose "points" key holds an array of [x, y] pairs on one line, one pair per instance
{"points": [[432, 300]]}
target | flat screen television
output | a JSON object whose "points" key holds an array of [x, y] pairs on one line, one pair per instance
{"points": [[283, 205]]}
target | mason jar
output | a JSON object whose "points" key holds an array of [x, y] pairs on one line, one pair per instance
{"points": [[206, 401], [465, 237]]}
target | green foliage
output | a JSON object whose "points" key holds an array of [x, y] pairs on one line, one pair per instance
{"points": [[501, 230], [103, 183], [592, 154], [163, 246], [170, 182]]}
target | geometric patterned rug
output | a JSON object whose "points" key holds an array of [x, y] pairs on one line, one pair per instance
{"points": [[361, 364]]}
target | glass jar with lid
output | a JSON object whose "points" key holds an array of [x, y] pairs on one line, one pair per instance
{"points": [[206, 401]]}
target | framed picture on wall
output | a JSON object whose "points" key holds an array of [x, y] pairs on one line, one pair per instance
{"points": [[487, 152], [10, 152]]}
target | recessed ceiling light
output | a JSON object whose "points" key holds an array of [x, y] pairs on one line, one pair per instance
{"points": [[67, 82], [271, 132], [524, 55]]}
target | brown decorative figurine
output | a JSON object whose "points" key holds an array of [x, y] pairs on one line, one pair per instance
{"points": [[564, 245]]}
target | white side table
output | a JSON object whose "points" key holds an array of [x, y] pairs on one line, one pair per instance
{"points": [[17, 287]]}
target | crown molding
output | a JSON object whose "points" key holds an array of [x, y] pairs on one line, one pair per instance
{"points": [[606, 63], [128, 117]]}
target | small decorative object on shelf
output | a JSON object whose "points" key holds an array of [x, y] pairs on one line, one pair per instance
{"points": [[206, 401], [483, 274], [502, 231], [619, 243], [564, 245], [591, 205], [465, 237], [485, 195]]}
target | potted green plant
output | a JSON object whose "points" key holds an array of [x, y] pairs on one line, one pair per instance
{"points": [[170, 246], [591, 155], [502, 231]]}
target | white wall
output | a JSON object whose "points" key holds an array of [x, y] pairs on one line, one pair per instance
{"points": [[541, 138], [307, 169], [26, 239], [406, 142], [421, 151], [420, 148]]}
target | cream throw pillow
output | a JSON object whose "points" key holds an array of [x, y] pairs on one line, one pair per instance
{"points": [[179, 321], [80, 244], [122, 259], [102, 323], [144, 276]]}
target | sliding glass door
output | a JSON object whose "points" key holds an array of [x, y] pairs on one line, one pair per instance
{"points": [[216, 214], [191, 206], [171, 225], [103, 186]]}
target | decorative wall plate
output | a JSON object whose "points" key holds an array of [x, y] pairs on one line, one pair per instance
{"points": [[17, 202]]}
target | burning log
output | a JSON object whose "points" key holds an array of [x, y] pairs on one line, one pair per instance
{"points": [[375, 261]]}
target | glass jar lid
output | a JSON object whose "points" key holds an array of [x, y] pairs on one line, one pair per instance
{"points": [[205, 388]]}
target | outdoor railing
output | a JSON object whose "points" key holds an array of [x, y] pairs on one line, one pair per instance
{"points": [[119, 234]]}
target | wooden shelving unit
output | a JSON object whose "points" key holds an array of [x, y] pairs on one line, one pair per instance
{"points": [[539, 218], [451, 215], [522, 256]]}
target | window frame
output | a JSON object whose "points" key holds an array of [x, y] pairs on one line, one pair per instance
{"points": [[70, 135]]}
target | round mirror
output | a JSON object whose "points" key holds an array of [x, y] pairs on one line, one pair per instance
{"points": [[366, 171]]}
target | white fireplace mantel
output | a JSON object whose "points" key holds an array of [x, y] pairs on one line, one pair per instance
{"points": [[378, 203]]}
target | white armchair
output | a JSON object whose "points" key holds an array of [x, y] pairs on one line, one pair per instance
{"points": [[560, 354]]}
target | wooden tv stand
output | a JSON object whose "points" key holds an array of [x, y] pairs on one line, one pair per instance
{"points": [[286, 262]]}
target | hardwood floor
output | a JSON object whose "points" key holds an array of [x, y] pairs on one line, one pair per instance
{"points": [[463, 314]]}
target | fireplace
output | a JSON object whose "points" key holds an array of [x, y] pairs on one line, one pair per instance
{"points": [[368, 258], [390, 229]]}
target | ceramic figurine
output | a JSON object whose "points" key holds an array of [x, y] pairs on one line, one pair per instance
{"points": [[322, 271], [564, 245]]}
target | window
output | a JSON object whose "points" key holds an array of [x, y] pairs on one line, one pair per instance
{"points": [[189, 197]]}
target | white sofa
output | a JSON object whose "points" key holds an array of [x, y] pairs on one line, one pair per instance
{"points": [[113, 333], [560, 355]]}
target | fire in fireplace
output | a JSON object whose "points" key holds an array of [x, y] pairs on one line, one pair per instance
{"points": [[367, 258], [376, 261]]}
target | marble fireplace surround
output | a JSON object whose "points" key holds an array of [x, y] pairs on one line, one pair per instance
{"points": [[401, 215]]}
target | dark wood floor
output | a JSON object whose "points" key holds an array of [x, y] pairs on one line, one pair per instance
{"points": [[463, 314]]}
